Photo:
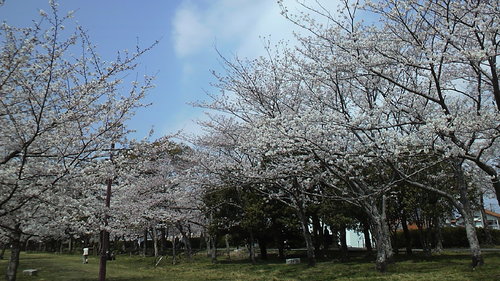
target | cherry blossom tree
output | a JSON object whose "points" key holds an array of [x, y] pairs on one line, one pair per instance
{"points": [[151, 191], [58, 110], [435, 67], [358, 109]]}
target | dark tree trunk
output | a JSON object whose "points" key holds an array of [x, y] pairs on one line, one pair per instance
{"points": [[281, 248], [406, 233], [202, 237], [26, 245], [186, 240], [70, 245], [344, 253], [366, 234], [145, 246], [104, 255], [2, 252], [15, 243], [208, 242], [423, 232], [317, 234], [174, 252], [228, 248], [163, 239], [263, 248], [327, 239], [438, 236], [251, 247], [136, 246], [279, 241], [124, 244], [213, 248]]}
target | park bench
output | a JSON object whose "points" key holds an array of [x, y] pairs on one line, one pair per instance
{"points": [[30, 272], [293, 261]]}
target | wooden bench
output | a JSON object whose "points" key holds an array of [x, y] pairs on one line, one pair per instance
{"points": [[293, 261], [31, 272]]}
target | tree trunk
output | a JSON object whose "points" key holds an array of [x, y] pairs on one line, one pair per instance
{"points": [[145, 247], [438, 236], [422, 233], [104, 254], [380, 241], [137, 245], [477, 258], [70, 245], [228, 249], [366, 234], [311, 259], [26, 245], [174, 255], [2, 252], [163, 239], [406, 233], [208, 242], [124, 244], [278, 240], [213, 248], [281, 248], [380, 231], [467, 214], [263, 248], [344, 255], [387, 235], [318, 234], [202, 237], [251, 247], [155, 241], [186, 240], [10, 275]]}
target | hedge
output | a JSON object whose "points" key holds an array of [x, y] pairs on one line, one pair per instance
{"points": [[452, 237]]}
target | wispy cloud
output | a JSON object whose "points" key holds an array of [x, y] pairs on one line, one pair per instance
{"points": [[190, 32], [232, 24]]}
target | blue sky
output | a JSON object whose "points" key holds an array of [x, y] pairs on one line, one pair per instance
{"points": [[189, 30]]}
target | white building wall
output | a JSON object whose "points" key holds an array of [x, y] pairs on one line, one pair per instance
{"points": [[355, 239]]}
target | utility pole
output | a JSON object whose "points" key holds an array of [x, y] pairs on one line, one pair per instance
{"points": [[104, 233]]}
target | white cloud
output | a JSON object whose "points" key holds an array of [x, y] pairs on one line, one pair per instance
{"points": [[190, 32], [232, 24], [224, 23]]}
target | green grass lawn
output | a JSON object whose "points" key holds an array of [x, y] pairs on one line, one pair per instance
{"points": [[448, 266]]}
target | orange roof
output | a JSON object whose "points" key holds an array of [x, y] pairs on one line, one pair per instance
{"points": [[492, 213], [412, 226]]}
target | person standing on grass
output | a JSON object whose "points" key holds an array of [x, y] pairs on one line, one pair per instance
{"points": [[86, 255]]}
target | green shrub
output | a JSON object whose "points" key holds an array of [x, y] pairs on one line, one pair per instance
{"points": [[453, 237]]}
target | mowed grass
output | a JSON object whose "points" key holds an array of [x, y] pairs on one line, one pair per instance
{"points": [[448, 266]]}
